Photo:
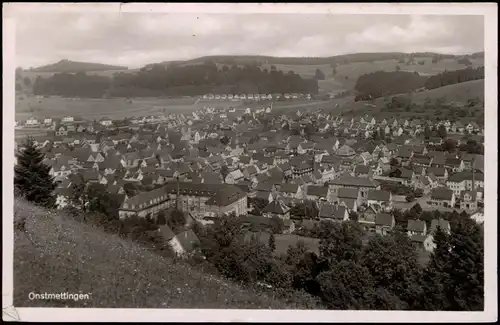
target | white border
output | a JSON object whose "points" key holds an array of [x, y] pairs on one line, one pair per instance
{"points": [[158, 315]]}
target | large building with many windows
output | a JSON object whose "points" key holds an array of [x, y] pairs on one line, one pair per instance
{"points": [[199, 200]]}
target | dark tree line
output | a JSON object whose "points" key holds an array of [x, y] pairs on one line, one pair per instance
{"points": [[382, 83], [454, 77], [72, 85], [176, 80]]}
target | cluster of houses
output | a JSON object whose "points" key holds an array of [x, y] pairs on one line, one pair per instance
{"points": [[256, 97], [220, 160]]}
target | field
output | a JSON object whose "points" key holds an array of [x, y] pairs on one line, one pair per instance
{"points": [[58, 254], [91, 109]]}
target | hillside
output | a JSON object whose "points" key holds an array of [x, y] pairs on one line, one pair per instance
{"points": [[457, 93], [343, 58], [460, 92], [58, 254], [74, 66]]}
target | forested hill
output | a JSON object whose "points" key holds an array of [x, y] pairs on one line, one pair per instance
{"points": [[175, 80], [337, 59], [383, 83], [73, 66]]}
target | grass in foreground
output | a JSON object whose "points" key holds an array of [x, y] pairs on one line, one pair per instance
{"points": [[56, 254]]}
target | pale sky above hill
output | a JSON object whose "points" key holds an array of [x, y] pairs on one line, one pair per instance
{"points": [[136, 39]]}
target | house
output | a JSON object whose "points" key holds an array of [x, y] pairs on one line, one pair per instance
{"points": [[440, 173], [62, 131], [384, 223], [423, 183], [362, 171], [277, 209], [183, 243], [290, 190], [455, 164], [234, 177], [32, 121], [68, 119], [468, 201], [442, 197], [264, 195], [404, 174], [423, 242], [416, 227], [106, 121], [441, 223], [465, 181], [367, 218], [363, 184], [382, 198], [317, 193], [333, 212]]}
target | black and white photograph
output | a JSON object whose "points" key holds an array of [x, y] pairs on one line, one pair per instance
{"points": [[214, 161]]}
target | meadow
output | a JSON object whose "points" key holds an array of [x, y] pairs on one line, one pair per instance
{"points": [[55, 252], [90, 109]]}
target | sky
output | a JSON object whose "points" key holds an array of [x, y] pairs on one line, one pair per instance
{"points": [[137, 39]]}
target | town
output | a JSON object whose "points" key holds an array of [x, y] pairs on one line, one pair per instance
{"points": [[264, 165], [241, 160]]}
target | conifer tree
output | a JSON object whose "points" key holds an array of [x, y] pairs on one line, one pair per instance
{"points": [[454, 278], [272, 243], [31, 176]]}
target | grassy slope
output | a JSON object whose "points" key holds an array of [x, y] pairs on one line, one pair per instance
{"points": [[57, 254], [459, 93]]}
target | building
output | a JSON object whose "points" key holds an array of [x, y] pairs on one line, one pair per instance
{"points": [[421, 242], [333, 212], [464, 181], [468, 201], [382, 198], [441, 223], [416, 227], [384, 223], [362, 184], [68, 119], [145, 203], [442, 197], [183, 243], [105, 121], [234, 177], [316, 192], [196, 199], [32, 121], [227, 200], [277, 209]]}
